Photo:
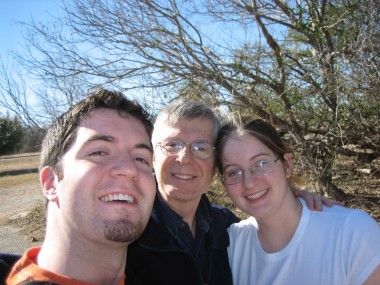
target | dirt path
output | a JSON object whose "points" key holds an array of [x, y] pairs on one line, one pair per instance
{"points": [[15, 202]]}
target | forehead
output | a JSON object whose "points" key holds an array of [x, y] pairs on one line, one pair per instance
{"points": [[245, 144], [186, 129], [110, 122]]}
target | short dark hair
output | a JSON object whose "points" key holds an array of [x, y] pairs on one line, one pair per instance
{"points": [[257, 128], [63, 130]]}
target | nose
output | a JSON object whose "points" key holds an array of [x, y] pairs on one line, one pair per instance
{"points": [[125, 166], [248, 178], [185, 155]]}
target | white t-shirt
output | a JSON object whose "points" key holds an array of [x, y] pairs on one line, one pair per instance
{"points": [[336, 246]]}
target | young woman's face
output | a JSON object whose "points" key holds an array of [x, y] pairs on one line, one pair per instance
{"points": [[260, 178]]}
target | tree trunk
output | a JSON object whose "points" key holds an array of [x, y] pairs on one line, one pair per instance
{"points": [[329, 188]]}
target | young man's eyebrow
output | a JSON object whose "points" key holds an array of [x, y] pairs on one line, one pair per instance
{"points": [[144, 146], [101, 138], [112, 139]]}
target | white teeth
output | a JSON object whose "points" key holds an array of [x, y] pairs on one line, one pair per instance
{"points": [[183, 176], [257, 195], [117, 197]]}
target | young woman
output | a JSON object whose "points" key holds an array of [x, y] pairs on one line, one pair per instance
{"points": [[283, 242]]}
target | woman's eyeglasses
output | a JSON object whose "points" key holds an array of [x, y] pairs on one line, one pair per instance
{"points": [[261, 168]]}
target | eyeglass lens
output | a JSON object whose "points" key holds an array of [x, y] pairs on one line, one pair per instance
{"points": [[199, 149], [261, 169]]}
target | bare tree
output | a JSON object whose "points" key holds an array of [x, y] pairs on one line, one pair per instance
{"points": [[311, 67], [13, 94]]}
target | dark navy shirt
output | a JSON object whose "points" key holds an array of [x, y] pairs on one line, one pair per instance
{"points": [[180, 230]]}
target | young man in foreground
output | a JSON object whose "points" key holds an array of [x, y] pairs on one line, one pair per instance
{"points": [[96, 174]]}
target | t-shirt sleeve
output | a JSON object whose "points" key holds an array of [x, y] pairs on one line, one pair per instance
{"points": [[363, 240]]}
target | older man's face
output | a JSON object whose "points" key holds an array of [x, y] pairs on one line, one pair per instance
{"points": [[184, 177]]}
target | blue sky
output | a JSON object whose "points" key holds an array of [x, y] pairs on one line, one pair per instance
{"points": [[14, 11]]}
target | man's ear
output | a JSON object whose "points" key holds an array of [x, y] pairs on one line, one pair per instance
{"points": [[49, 180], [288, 164]]}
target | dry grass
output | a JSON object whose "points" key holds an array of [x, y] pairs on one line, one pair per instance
{"points": [[25, 164], [33, 225], [14, 180], [19, 162], [19, 170]]}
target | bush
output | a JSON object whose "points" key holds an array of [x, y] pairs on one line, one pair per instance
{"points": [[11, 135]]}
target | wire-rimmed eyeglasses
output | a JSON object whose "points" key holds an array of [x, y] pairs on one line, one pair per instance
{"points": [[200, 149], [261, 168]]}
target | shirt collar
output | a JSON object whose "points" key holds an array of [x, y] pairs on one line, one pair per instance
{"points": [[173, 221]]}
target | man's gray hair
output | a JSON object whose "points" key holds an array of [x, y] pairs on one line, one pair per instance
{"points": [[179, 110]]}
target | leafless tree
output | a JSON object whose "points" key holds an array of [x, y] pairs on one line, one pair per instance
{"points": [[310, 67], [13, 94]]}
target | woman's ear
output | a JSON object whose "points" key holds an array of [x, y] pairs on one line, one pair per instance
{"points": [[288, 164], [48, 180]]}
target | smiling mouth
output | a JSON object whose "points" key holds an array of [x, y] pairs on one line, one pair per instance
{"points": [[186, 177], [117, 197], [257, 195]]}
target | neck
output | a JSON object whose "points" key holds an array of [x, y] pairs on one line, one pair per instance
{"points": [[92, 262], [186, 209], [187, 212], [276, 232]]}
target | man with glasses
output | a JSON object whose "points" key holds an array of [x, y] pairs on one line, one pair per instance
{"points": [[186, 238]]}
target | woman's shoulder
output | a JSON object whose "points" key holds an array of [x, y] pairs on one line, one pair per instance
{"points": [[343, 217], [246, 226], [338, 211]]}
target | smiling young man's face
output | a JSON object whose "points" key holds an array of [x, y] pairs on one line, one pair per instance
{"points": [[107, 190], [183, 177]]}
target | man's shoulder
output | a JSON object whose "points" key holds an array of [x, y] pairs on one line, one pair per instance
{"points": [[221, 209], [223, 213], [38, 283], [7, 260], [23, 270]]}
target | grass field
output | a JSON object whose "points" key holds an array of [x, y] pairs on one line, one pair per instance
{"points": [[21, 172], [24, 165], [19, 162]]}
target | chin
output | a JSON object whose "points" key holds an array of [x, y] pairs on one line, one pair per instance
{"points": [[123, 231]]}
